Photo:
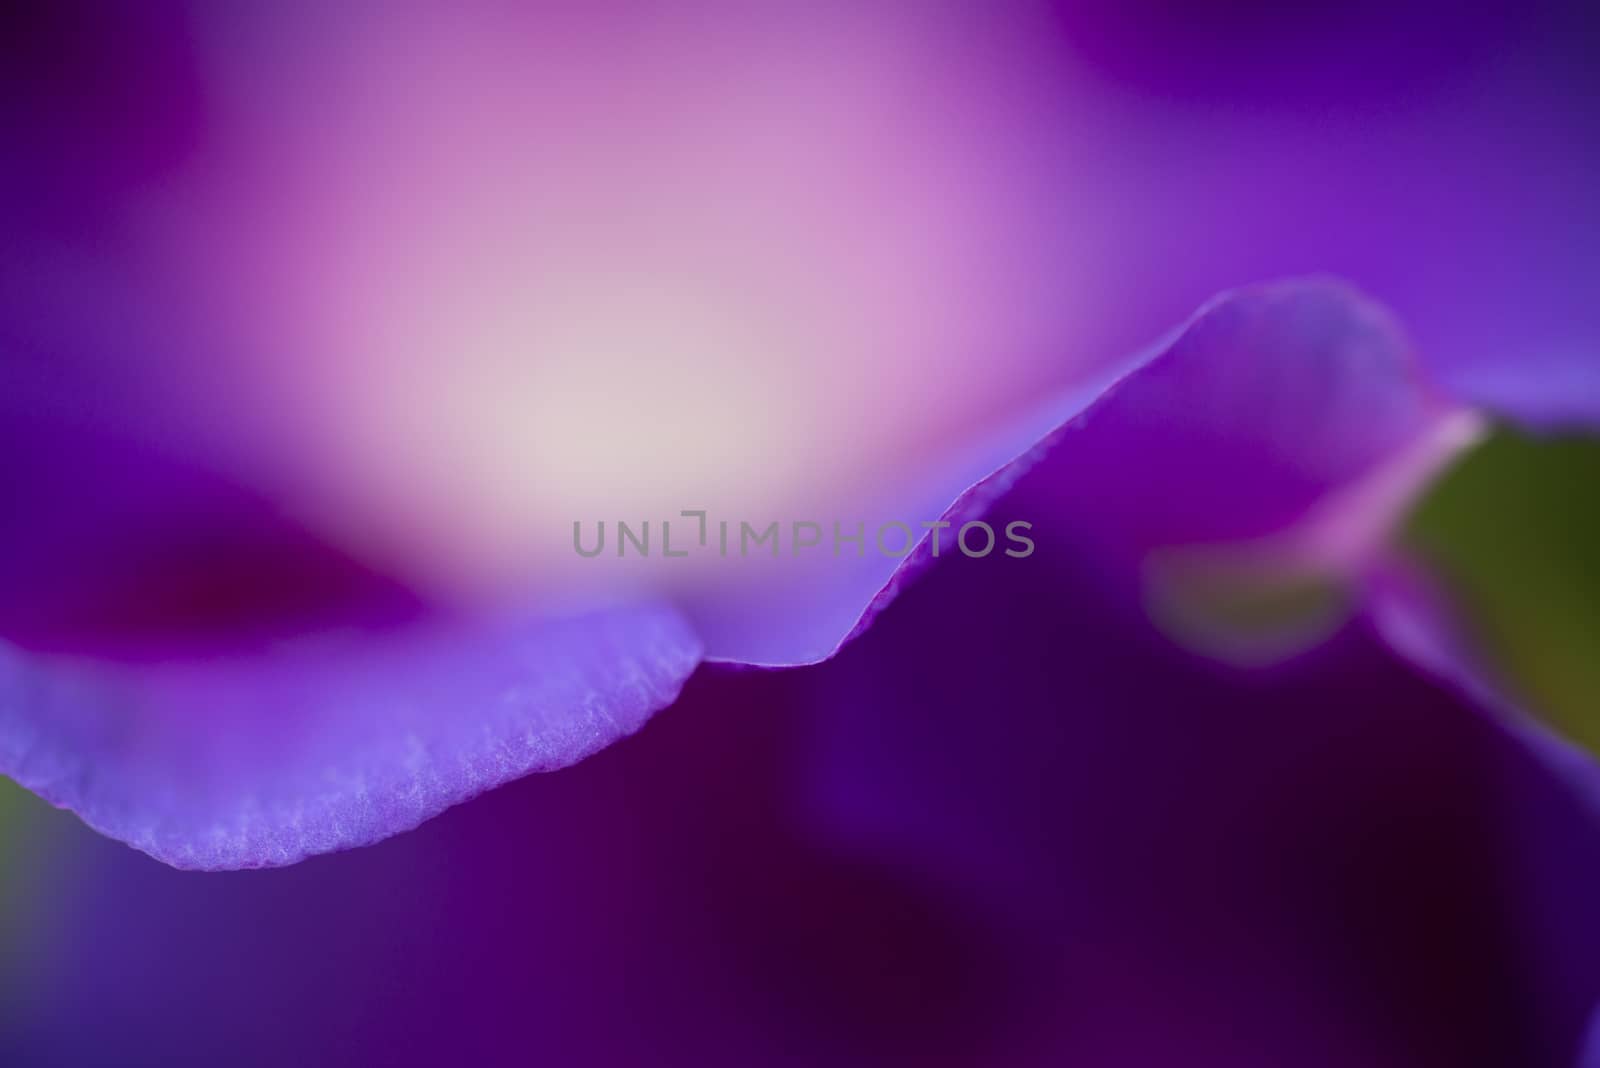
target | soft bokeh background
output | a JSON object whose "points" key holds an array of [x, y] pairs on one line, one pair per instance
{"points": [[1011, 825]]}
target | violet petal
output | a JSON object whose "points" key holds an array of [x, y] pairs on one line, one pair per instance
{"points": [[1235, 426], [262, 759]]}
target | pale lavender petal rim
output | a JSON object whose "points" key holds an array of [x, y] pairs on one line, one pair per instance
{"points": [[375, 754]]}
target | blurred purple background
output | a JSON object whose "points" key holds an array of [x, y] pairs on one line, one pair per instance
{"points": [[1010, 825]]}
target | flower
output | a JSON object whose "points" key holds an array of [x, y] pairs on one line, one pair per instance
{"points": [[1012, 822], [321, 328], [340, 410]]}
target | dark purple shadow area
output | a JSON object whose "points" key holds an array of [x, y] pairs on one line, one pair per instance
{"points": [[1259, 55], [114, 545]]}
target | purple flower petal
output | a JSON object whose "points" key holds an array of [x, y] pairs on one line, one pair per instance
{"points": [[1269, 401], [261, 759], [192, 672], [1239, 425]]}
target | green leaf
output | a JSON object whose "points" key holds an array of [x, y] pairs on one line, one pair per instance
{"points": [[1513, 530], [17, 811]]}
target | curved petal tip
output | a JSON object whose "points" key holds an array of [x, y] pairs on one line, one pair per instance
{"points": [[264, 759]]}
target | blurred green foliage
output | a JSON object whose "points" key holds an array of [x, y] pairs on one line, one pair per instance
{"points": [[1514, 531], [17, 807]]}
